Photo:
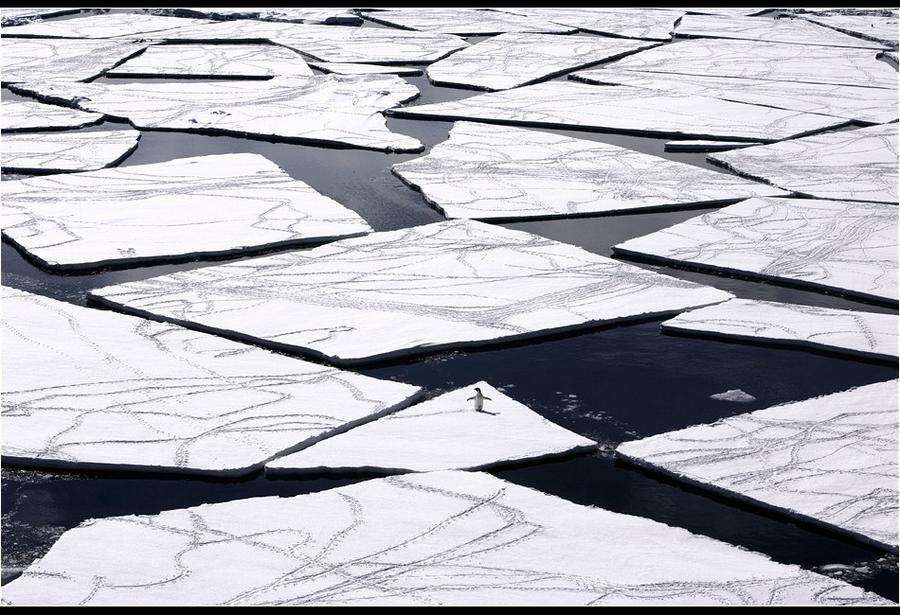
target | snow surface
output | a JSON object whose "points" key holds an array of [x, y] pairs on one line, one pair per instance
{"points": [[214, 61], [855, 165], [350, 68], [766, 61], [515, 59], [13, 17], [454, 538], [92, 389], [185, 207], [768, 30], [734, 395], [31, 59], [29, 115], [66, 152], [874, 105], [463, 21], [443, 433], [831, 460], [325, 15], [839, 245], [874, 28], [320, 109], [655, 24], [851, 331], [495, 172], [106, 25], [448, 284], [565, 104]]}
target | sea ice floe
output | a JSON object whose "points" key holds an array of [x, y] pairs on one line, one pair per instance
{"points": [[496, 172], [515, 59], [324, 15], [847, 331], [857, 165], [350, 68], [734, 395], [30, 115], [831, 460], [443, 433], [652, 24], [189, 207], [336, 109], [66, 151], [105, 25], [462, 21], [567, 104], [701, 145], [214, 62], [844, 246], [881, 29], [92, 389], [15, 17], [449, 284], [45, 59], [438, 538]]}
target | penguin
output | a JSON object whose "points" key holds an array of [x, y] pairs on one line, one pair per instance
{"points": [[479, 400]]}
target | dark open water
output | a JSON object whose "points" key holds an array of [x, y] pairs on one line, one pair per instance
{"points": [[611, 384]]}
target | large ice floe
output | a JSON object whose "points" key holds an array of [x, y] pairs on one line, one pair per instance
{"points": [[567, 104], [767, 61], [831, 460], [881, 29], [92, 389], [464, 22], [215, 62], [514, 59], [31, 59], [114, 25], [652, 24], [496, 172], [863, 104], [184, 208], [30, 115], [852, 332], [323, 15], [19, 16], [332, 109], [843, 246], [855, 165], [448, 284], [65, 151], [443, 433], [767, 30], [439, 538]]}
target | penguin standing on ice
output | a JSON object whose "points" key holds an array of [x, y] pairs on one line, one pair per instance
{"points": [[479, 401]]}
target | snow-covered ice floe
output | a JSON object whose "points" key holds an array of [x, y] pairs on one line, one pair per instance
{"points": [[19, 16], [92, 389], [701, 145], [862, 104], [105, 26], [878, 28], [323, 15], [351, 68], [496, 172], [734, 395], [30, 115], [768, 30], [844, 246], [831, 460], [449, 284], [854, 165], [439, 538], [515, 59], [66, 151], [443, 433], [32, 59], [214, 62], [853, 332], [334, 109], [463, 22], [188, 207], [766, 61], [567, 104], [654, 24]]}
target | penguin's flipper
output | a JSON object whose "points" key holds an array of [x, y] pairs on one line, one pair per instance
{"points": [[488, 398], [470, 399]]}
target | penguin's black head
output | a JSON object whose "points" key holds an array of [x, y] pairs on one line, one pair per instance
{"points": [[477, 389]]}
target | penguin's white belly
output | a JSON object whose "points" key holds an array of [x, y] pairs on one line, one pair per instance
{"points": [[479, 403]]}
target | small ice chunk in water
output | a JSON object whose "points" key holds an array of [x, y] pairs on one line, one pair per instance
{"points": [[735, 395]]}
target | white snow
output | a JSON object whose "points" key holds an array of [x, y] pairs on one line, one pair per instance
{"points": [[765, 61], [440, 538], [653, 24], [876, 28], [92, 389], [515, 59], [448, 284], [350, 68], [37, 59], [463, 21], [839, 245], [565, 104], [184, 207], [495, 172], [29, 115], [214, 61], [701, 145], [320, 109], [443, 433], [325, 15], [734, 395], [851, 331], [767, 30], [66, 152], [831, 460], [856, 165], [875, 105], [106, 25]]}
